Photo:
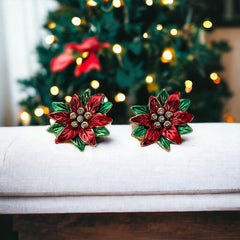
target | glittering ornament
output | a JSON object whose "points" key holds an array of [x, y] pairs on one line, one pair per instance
{"points": [[81, 120], [84, 54], [162, 120]]}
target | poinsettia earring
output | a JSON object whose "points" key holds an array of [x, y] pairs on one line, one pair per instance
{"points": [[82, 120], [162, 120]]}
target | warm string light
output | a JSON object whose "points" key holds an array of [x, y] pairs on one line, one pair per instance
{"points": [[25, 118], [120, 97], [68, 99], [159, 27], [91, 3], [188, 90], [215, 78], [188, 83], [95, 84], [174, 32], [52, 25], [207, 24], [54, 90], [190, 57], [76, 21], [188, 86], [167, 2], [149, 79], [117, 48], [46, 110], [85, 54], [38, 112], [229, 118], [50, 39], [217, 81], [167, 55], [145, 35], [149, 2], [79, 61], [117, 3]]}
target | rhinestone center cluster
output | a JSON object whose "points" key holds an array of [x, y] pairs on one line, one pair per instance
{"points": [[80, 118], [161, 118]]}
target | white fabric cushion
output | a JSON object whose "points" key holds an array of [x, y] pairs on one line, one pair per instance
{"points": [[120, 203], [32, 165]]}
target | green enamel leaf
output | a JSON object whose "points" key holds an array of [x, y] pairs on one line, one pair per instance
{"points": [[85, 96], [56, 127], [183, 129], [163, 96], [78, 142], [140, 109], [100, 131], [139, 131], [184, 104], [61, 106], [164, 143], [105, 107]]}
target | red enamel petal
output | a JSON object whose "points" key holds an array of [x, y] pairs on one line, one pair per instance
{"points": [[75, 103], [99, 119], [94, 103], [89, 64], [66, 134], [87, 135], [172, 102], [154, 104], [172, 134], [151, 136], [181, 117], [61, 62], [61, 117], [142, 119]]}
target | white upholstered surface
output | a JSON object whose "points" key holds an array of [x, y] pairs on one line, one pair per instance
{"points": [[34, 171]]}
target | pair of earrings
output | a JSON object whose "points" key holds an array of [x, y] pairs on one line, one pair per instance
{"points": [[84, 118]]}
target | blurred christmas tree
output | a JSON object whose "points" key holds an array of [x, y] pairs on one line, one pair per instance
{"points": [[142, 46]]}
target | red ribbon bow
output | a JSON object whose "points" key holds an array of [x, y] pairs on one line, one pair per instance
{"points": [[73, 50]]}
